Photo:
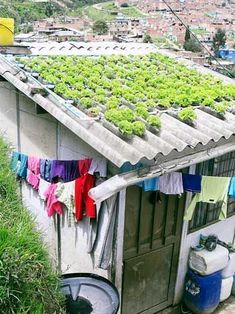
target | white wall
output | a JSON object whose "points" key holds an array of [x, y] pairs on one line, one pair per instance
{"points": [[224, 230], [42, 136], [8, 116], [74, 239]]}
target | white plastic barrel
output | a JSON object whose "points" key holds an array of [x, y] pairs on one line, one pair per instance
{"points": [[206, 263], [226, 288], [229, 270]]}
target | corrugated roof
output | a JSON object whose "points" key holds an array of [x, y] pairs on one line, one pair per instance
{"points": [[89, 49], [175, 139]]}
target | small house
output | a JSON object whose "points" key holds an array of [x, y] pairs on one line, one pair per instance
{"points": [[142, 241]]}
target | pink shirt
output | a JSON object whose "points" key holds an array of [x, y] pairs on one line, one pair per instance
{"points": [[33, 171], [33, 179], [53, 205], [34, 164]]}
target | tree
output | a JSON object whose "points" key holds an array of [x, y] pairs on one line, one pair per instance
{"points": [[147, 39], [219, 39], [192, 45], [187, 34], [100, 27]]}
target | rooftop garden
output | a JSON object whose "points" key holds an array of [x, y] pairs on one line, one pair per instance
{"points": [[131, 92]]}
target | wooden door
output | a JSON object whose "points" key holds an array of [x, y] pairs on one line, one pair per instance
{"points": [[151, 246]]}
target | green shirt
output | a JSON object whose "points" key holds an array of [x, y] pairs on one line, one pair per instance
{"points": [[214, 189]]}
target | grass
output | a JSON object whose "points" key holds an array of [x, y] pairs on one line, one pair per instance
{"points": [[199, 31], [106, 13], [110, 5], [131, 11], [28, 284], [96, 14]]}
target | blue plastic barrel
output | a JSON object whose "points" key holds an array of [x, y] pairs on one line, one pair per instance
{"points": [[233, 288], [202, 293]]}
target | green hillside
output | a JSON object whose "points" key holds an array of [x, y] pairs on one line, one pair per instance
{"points": [[26, 11]]}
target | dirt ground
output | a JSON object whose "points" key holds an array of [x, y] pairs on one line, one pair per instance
{"points": [[226, 307]]}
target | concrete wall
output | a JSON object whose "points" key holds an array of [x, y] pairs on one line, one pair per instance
{"points": [[74, 239], [42, 136]]}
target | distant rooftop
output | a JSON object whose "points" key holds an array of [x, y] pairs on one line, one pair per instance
{"points": [[89, 49]]}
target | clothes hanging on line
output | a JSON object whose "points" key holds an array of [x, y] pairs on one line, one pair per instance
{"points": [[42, 187], [33, 171], [19, 164], [84, 166], [53, 206], [149, 184], [67, 170], [55, 170], [192, 182], [171, 183], [213, 190], [231, 191], [32, 179], [84, 205], [65, 193], [98, 165], [45, 169], [34, 164]]}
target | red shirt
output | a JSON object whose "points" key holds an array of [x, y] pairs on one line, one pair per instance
{"points": [[84, 205]]}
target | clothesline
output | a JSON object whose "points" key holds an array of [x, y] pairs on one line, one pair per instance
{"points": [[74, 196], [208, 189], [77, 178], [61, 182]]}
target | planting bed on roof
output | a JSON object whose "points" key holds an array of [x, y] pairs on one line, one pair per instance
{"points": [[131, 91]]}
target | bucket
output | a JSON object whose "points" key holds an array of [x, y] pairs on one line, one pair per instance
{"points": [[6, 32], [89, 293]]}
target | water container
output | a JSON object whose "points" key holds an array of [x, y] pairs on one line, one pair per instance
{"points": [[202, 293], [229, 270], [6, 32], [226, 288], [206, 263], [89, 293]]}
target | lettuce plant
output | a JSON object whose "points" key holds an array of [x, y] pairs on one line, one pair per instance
{"points": [[138, 128], [154, 121], [187, 114], [125, 127]]}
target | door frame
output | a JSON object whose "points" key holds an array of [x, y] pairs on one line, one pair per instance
{"points": [[120, 256]]}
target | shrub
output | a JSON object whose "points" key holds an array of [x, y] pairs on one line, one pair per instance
{"points": [[28, 284], [124, 5], [192, 45], [100, 27]]}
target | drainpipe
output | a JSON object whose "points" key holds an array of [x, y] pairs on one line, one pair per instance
{"points": [[183, 260]]}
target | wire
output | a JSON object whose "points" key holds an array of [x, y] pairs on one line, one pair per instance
{"points": [[186, 27]]}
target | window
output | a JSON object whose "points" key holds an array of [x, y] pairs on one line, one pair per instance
{"points": [[205, 214]]}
